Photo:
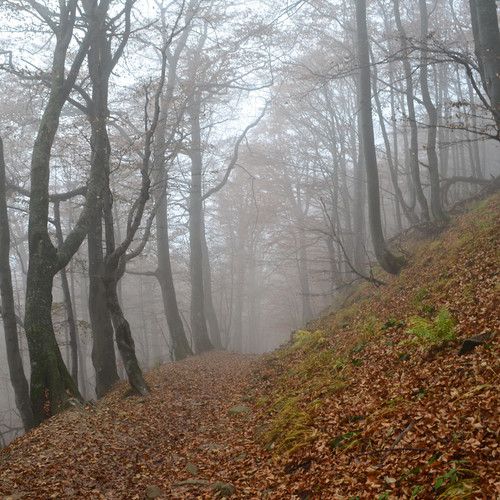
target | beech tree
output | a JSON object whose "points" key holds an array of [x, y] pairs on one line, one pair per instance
{"points": [[487, 46], [8, 313], [51, 384], [386, 259]]}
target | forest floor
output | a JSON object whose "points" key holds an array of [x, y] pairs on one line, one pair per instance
{"points": [[372, 401]]}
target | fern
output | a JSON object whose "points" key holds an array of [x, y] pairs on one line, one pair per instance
{"points": [[434, 332]]}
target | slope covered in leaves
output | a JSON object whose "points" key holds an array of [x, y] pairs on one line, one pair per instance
{"points": [[371, 402]]}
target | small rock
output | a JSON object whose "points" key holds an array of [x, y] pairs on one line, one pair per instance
{"points": [[471, 343], [239, 410], [153, 491], [192, 469], [225, 489]]}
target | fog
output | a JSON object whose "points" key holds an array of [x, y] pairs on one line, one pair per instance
{"points": [[232, 201]]}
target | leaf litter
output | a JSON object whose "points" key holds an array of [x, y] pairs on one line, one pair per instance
{"points": [[357, 407]]}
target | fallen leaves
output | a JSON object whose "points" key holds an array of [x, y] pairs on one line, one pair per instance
{"points": [[385, 418]]}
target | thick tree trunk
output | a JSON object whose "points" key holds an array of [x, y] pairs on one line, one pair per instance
{"points": [[8, 313], [487, 47], [386, 259], [51, 383], [50, 380], [103, 347]]}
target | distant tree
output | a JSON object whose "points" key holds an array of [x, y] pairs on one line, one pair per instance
{"points": [[432, 158], [410, 102]]}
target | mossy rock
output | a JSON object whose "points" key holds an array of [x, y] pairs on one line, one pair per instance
{"points": [[239, 410], [225, 489]]}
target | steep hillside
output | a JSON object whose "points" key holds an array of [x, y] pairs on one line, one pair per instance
{"points": [[373, 401]]}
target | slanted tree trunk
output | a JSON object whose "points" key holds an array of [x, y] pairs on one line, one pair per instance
{"points": [[8, 313], [386, 259], [123, 332], [180, 344]]}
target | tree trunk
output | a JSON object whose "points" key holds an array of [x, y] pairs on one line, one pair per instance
{"points": [[103, 347], [199, 330], [8, 312], [436, 204], [414, 166], [213, 323], [70, 316], [386, 259], [180, 344], [487, 47], [123, 333], [410, 215]]}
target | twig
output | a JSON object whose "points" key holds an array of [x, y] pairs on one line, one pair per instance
{"points": [[396, 442], [404, 448]]}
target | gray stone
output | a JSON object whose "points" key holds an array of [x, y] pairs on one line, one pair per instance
{"points": [[239, 410], [192, 469], [471, 343], [153, 491], [225, 489]]}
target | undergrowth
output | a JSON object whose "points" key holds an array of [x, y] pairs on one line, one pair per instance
{"points": [[433, 332]]}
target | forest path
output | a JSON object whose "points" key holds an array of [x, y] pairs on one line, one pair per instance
{"points": [[177, 443]]}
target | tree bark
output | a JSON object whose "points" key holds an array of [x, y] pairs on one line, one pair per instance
{"points": [[386, 259], [51, 384], [487, 47], [414, 166], [180, 344], [103, 347], [436, 204], [213, 323], [70, 316], [199, 329], [14, 360]]}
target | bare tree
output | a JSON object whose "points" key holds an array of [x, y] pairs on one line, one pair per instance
{"points": [[14, 360], [386, 259], [487, 45]]}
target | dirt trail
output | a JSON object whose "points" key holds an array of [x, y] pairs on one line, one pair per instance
{"points": [[175, 444]]}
